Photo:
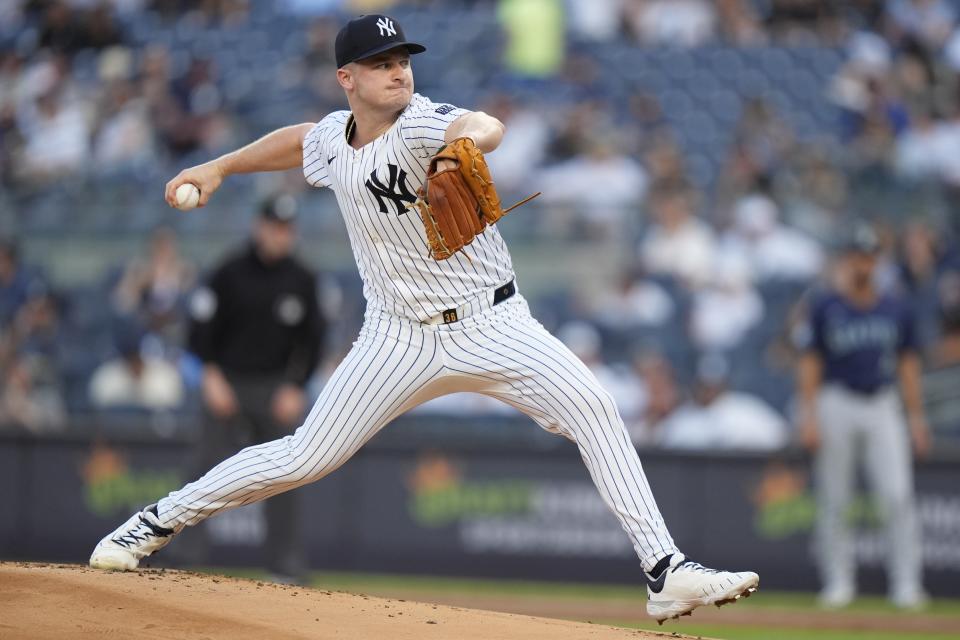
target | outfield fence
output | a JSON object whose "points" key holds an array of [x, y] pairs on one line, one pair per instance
{"points": [[492, 498]]}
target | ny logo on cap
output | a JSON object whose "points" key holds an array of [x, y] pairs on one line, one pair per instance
{"points": [[386, 26]]}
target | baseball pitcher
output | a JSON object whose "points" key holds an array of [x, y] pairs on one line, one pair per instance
{"points": [[444, 314]]}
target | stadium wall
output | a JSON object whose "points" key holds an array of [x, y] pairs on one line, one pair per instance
{"points": [[477, 508]]}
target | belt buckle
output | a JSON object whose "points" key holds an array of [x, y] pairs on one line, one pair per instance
{"points": [[504, 292]]}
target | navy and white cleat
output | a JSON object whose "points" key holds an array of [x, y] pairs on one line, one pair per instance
{"points": [[134, 540], [685, 585]]}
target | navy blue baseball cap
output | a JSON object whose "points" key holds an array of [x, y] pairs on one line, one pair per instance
{"points": [[861, 239], [282, 208], [369, 35]]}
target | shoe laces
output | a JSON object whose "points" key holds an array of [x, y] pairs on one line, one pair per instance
{"points": [[695, 567], [140, 533]]}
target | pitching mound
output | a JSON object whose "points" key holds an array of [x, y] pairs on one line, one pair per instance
{"points": [[41, 602]]}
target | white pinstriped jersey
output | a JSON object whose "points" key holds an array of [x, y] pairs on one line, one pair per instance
{"points": [[374, 186]]}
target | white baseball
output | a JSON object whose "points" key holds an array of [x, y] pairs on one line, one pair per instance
{"points": [[188, 196]]}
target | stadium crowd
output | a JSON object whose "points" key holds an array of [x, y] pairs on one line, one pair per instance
{"points": [[728, 144]]}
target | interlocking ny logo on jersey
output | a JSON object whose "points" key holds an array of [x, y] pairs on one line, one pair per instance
{"points": [[396, 190], [386, 27]]}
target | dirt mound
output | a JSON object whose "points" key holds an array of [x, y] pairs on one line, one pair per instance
{"points": [[41, 602]]}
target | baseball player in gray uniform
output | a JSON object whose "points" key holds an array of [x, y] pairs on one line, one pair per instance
{"points": [[860, 345], [431, 327]]}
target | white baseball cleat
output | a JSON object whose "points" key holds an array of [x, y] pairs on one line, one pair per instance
{"points": [[911, 599], [836, 596], [134, 540], [685, 585]]}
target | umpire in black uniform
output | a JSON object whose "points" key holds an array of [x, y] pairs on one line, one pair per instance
{"points": [[257, 327]]}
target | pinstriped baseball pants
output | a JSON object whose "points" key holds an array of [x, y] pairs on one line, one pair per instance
{"points": [[397, 364]]}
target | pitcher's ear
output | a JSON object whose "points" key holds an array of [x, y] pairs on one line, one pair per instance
{"points": [[345, 76]]}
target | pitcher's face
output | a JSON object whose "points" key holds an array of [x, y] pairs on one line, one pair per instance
{"points": [[383, 82]]}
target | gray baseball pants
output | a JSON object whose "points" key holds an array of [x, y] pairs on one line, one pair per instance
{"points": [[868, 429]]}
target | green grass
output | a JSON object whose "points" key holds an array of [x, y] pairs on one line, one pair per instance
{"points": [[581, 591], [863, 604], [423, 587]]}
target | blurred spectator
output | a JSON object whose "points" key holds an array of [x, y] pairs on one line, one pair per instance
{"points": [[199, 115], [174, 127], [930, 22], [595, 20], [923, 257], [134, 380], [572, 134], [663, 159], [951, 51], [916, 78], [802, 21], [601, 186], [10, 137], [320, 34], [60, 29], [762, 143], [677, 243], [31, 396], [11, 15], [950, 139], [634, 301], [721, 419], [36, 329], [772, 251], [726, 307], [124, 133], [923, 150], [320, 65], [56, 135], [684, 23], [512, 163], [227, 13], [815, 193], [860, 86], [100, 28], [739, 23], [152, 288], [942, 379], [211, 13], [661, 398], [645, 121], [18, 283]]}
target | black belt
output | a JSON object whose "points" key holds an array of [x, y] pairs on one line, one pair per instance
{"points": [[865, 391], [501, 293], [504, 293]]}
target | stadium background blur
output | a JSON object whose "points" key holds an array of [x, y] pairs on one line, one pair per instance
{"points": [[699, 162]]}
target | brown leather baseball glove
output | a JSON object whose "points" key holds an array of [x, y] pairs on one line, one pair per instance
{"points": [[457, 204]]}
